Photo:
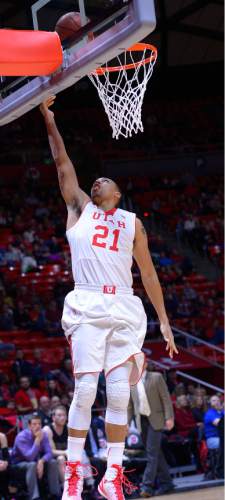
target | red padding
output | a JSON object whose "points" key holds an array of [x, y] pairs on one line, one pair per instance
{"points": [[29, 53]]}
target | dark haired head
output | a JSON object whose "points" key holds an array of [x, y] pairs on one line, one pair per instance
{"points": [[34, 416]]}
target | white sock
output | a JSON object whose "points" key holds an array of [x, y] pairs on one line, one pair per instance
{"points": [[115, 454], [75, 449]]}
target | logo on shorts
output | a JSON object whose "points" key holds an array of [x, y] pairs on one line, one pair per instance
{"points": [[111, 290]]}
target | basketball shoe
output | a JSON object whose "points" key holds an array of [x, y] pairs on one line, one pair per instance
{"points": [[74, 479], [111, 485]]}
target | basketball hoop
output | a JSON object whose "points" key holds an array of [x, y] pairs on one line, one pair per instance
{"points": [[122, 96]]}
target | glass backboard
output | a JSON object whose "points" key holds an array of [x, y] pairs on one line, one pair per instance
{"points": [[116, 24]]}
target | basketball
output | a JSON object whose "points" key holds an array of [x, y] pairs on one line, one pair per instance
{"points": [[68, 24]]}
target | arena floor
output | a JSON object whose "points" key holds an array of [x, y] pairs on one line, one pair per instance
{"points": [[207, 494]]}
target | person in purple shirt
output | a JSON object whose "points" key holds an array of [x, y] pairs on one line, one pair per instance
{"points": [[32, 453]]}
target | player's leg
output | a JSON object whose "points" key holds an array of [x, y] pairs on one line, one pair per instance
{"points": [[118, 395], [78, 424]]}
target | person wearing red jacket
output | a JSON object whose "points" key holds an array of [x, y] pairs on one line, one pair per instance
{"points": [[26, 399], [185, 422], [187, 426]]}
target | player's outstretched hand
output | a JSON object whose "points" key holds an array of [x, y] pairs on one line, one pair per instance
{"points": [[44, 107], [169, 339]]}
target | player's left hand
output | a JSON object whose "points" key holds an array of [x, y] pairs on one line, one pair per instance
{"points": [[169, 338]]}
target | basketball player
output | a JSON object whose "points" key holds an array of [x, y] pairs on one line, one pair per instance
{"points": [[102, 319]]}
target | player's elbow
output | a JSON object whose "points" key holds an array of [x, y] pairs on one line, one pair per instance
{"points": [[61, 169]]}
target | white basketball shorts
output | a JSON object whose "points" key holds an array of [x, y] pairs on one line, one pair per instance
{"points": [[106, 327]]}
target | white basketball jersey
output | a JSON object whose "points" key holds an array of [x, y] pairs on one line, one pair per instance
{"points": [[101, 245]]}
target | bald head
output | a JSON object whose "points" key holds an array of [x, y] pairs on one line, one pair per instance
{"points": [[44, 403]]}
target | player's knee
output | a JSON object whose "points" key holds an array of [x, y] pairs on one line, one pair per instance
{"points": [[83, 399], [118, 395], [84, 395]]}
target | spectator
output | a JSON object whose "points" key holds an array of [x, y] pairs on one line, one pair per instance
{"points": [[37, 318], [53, 245], [4, 389], [53, 388], [8, 479], [195, 330], [67, 353], [172, 303], [5, 347], [55, 401], [211, 420], [215, 333], [198, 411], [164, 260], [185, 422], [29, 235], [189, 226], [186, 425], [185, 309], [153, 406], [190, 392], [32, 453], [201, 391], [13, 255], [39, 368], [189, 293], [4, 466], [65, 375], [179, 390], [26, 399], [186, 267], [6, 318], [220, 463], [172, 380], [44, 410], [21, 315], [21, 367], [66, 401], [58, 434], [53, 319], [28, 262], [199, 408], [96, 443]]}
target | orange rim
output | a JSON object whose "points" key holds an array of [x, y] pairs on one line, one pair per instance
{"points": [[138, 47]]}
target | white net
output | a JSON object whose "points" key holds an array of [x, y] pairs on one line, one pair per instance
{"points": [[122, 94]]}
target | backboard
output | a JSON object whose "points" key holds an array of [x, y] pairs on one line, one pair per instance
{"points": [[116, 25]]}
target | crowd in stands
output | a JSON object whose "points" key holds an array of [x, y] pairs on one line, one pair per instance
{"points": [[189, 205], [35, 261], [34, 403], [168, 125]]}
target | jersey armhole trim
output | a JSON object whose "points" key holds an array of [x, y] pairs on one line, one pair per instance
{"points": [[82, 213]]}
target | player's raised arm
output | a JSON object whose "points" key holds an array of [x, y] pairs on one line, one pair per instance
{"points": [[151, 284], [71, 192]]}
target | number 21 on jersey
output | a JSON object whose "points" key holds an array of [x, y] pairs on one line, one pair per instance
{"points": [[102, 234]]}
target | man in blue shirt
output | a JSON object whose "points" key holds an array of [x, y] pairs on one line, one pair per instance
{"points": [[32, 453], [211, 420]]}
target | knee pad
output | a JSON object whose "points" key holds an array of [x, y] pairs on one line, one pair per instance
{"points": [[83, 399], [118, 395]]}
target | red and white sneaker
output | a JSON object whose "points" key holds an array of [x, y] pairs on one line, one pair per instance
{"points": [[74, 479], [111, 485]]}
